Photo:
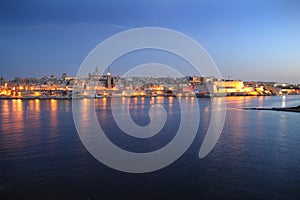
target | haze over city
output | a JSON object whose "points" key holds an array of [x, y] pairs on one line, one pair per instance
{"points": [[248, 40]]}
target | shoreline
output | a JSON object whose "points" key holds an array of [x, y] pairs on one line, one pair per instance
{"points": [[88, 97]]}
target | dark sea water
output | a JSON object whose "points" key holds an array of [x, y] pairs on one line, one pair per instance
{"points": [[256, 157]]}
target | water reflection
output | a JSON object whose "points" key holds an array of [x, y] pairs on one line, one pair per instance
{"points": [[85, 106], [282, 127], [37, 105], [33, 113], [17, 119], [260, 101], [53, 115], [238, 125], [170, 100], [143, 103], [283, 102], [12, 124], [104, 102], [5, 115]]}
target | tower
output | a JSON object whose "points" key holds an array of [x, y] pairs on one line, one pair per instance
{"points": [[108, 79]]}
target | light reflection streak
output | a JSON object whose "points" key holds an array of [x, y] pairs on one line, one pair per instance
{"points": [[237, 128], [124, 102], [160, 100], [17, 119], [282, 128], [260, 102], [135, 101], [53, 114], [283, 102], [5, 116], [142, 103], [32, 113], [170, 109], [104, 103]]}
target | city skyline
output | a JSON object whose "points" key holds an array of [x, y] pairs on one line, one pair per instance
{"points": [[248, 40]]}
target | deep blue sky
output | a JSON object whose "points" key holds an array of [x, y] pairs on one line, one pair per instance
{"points": [[249, 40]]}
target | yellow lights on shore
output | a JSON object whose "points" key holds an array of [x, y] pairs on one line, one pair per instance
{"points": [[4, 92], [156, 87], [136, 94], [86, 89]]}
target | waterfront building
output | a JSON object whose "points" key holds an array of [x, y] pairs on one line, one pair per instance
{"points": [[112, 85], [217, 88], [104, 81], [228, 86]]}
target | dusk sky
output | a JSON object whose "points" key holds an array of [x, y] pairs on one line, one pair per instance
{"points": [[248, 40]]}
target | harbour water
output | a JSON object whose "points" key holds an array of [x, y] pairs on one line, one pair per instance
{"points": [[256, 156]]}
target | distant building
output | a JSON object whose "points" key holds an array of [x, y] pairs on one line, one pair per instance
{"points": [[63, 77], [104, 81], [228, 86], [96, 74], [223, 87]]}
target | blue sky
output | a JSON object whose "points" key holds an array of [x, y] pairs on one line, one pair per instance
{"points": [[248, 40]]}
